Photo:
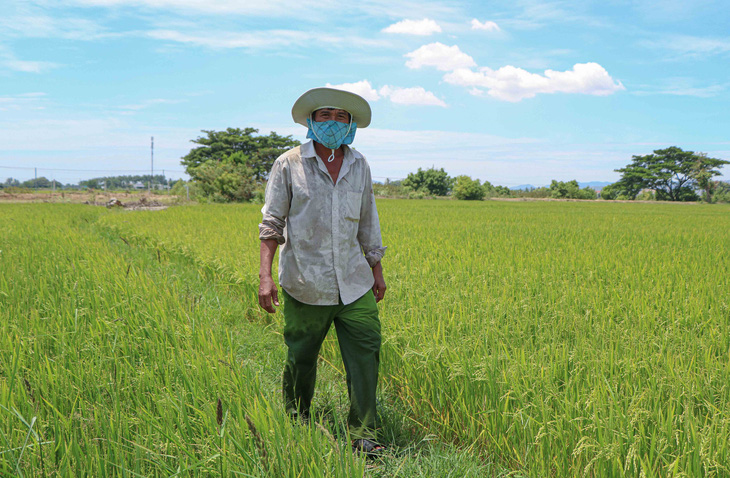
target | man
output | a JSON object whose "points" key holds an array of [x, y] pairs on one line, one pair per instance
{"points": [[320, 207]]}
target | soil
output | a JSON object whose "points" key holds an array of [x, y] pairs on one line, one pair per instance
{"points": [[124, 199]]}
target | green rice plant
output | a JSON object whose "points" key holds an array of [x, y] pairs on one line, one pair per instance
{"points": [[559, 339], [125, 355], [115, 360]]}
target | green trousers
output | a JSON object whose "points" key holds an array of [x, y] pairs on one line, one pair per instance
{"points": [[358, 333]]}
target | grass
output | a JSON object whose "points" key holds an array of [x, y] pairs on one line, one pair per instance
{"points": [[120, 359], [520, 339]]}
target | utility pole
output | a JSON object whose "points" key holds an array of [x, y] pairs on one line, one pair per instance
{"points": [[36, 179], [152, 162]]}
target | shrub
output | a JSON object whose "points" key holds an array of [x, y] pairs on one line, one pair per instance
{"points": [[646, 195], [466, 188], [223, 181], [431, 181], [570, 190], [722, 192]]}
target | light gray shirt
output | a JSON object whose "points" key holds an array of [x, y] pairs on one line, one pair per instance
{"points": [[330, 232]]}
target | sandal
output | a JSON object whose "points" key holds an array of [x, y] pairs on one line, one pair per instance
{"points": [[367, 447]]}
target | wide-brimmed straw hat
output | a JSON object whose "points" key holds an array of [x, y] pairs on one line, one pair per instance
{"points": [[317, 98]]}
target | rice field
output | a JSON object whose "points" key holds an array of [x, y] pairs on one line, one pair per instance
{"points": [[520, 339]]}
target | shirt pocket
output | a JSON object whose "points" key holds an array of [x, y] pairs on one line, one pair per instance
{"points": [[353, 199]]}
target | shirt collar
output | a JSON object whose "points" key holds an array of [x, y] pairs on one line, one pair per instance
{"points": [[307, 151], [351, 155]]}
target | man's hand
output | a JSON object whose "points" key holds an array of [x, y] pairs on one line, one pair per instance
{"points": [[379, 285], [268, 294]]}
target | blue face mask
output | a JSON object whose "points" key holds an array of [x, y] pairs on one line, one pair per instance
{"points": [[331, 134]]}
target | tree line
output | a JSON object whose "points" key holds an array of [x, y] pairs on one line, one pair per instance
{"points": [[436, 182], [232, 165], [127, 182], [41, 182], [669, 174], [106, 182]]}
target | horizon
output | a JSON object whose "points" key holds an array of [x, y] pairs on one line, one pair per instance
{"points": [[511, 94]]}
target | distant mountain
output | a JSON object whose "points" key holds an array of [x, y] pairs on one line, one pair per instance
{"points": [[597, 185]]}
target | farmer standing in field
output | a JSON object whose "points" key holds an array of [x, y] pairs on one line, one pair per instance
{"points": [[320, 207]]}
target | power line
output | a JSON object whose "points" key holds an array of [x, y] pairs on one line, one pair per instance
{"points": [[128, 171], [90, 170]]}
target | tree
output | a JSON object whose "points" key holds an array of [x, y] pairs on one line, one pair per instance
{"points": [[570, 190], [224, 155], [530, 192], [432, 181], [41, 182], [672, 172], [703, 170], [721, 191], [222, 181], [489, 190], [125, 181], [609, 192], [495, 191], [468, 188], [240, 147], [10, 183], [502, 191]]}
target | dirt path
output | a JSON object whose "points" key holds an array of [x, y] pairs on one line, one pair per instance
{"points": [[126, 199]]}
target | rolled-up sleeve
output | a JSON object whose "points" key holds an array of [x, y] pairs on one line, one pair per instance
{"points": [[277, 202], [368, 234]]}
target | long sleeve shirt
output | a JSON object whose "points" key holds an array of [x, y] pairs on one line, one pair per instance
{"points": [[330, 233]]}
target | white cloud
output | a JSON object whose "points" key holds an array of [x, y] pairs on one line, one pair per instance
{"points": [[28, 66], [404, 96], [362, 88], [539, 13], [681, 86], [260, 39], [44, 26], [218, 7], [23, 101], [674, 10], [411, 96], [703, 92], [486, 25], [300, 9], [11, 62], [263, 39], [510, 83], [414, 27], [406, 8], [444, 58], [687, 45]]}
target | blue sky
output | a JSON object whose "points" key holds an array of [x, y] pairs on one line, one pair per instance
{"points": [[512, 92]]}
